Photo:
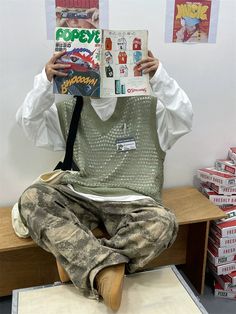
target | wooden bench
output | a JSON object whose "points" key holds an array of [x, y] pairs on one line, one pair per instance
{"points": [[24, 264]]}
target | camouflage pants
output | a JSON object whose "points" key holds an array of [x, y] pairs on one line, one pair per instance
{"points": [[60, 221]]}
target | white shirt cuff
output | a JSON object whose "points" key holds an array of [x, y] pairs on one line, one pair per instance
{"points": [[156, 76], [45, 80]]}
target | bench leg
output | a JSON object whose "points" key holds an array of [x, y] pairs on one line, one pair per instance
{"points": [[195, 266]]}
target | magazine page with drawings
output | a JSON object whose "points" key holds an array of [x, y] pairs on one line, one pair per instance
{"points": [[121, 50]]}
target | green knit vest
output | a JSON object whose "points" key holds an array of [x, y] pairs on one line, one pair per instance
{"points": [[103, 169]]}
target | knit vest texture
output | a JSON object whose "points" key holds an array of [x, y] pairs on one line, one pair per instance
{"points": [[103, 169]]}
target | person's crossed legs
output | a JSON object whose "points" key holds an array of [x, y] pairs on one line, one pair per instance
{"points": [[61, 223]]}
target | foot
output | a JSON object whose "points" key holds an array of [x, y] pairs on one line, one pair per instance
{"points": [[110, 284], [64, 277]]}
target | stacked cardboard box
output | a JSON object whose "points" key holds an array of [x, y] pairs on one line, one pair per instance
{"points": [[218, 183]]}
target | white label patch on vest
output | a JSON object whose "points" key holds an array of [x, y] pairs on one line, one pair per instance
{"points": [[125, 144]]}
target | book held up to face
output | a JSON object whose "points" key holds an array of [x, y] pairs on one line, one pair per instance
{"points": [[103, 63]]}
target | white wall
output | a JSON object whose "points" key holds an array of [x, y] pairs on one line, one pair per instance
{"points": [[207, 72]]}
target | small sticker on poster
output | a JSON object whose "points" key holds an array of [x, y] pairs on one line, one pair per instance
{"points": [[75, 13], [191, 21]]}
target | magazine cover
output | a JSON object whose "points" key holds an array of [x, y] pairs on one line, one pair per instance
{"points": [[77, 13], [191, 21], [102, 62], [119, 72], [83, 54]]}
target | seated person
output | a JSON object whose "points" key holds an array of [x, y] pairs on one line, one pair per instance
{"points": [[120, 189]]}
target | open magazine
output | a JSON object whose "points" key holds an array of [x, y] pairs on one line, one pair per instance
{"points": [[102, 62]]}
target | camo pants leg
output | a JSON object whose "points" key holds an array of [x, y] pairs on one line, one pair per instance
{"points": [[60, 221], [140, 229], [61, 226]]}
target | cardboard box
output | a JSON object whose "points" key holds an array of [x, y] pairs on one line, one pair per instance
{"points": [[225, 228], [230, 212], [222, 242], [221, 293], [217, 199], [221, 251], [232, 154], [223, 269], [224, 282], [220, 189], [227, 209], [215, 176], [231, 277], [225, 165], [216, 260]]}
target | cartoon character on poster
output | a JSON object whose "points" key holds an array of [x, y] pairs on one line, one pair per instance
{"points": [[191, 21]]}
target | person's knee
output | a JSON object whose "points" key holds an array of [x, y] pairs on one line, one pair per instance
{"points": [[166, 225], [171, 229], [30, 199], [29, 196]]}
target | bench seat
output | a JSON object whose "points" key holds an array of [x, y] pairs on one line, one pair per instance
{"points": [[24, 264]]}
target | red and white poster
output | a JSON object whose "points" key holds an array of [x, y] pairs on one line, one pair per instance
{"points": [[75, 14], [191, 21]]}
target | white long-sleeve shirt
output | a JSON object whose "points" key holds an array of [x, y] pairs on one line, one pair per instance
{"points": [[39, 119]]}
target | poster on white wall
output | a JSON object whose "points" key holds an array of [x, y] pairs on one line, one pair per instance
{"points": [[76, 14], [191, 21]]}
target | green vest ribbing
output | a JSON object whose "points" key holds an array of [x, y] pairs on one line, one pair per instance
{"points": [[103, 169]]}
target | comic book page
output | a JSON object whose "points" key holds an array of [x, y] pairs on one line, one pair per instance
{"points": [[191, 21], [120, 76], [77, 13], [83, 49]]}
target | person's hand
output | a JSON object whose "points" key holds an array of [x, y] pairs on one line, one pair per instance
{"points": [[94, 20], [52, 68], [148, 65]]}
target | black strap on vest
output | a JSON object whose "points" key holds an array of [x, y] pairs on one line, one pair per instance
{"points": [[68, 162]]}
